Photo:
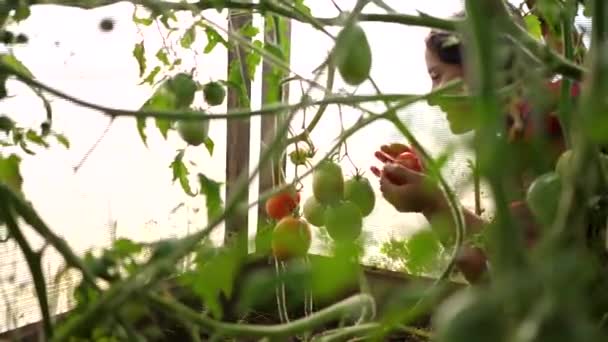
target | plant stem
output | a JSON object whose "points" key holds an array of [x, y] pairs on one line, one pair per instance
{"points": [[331, 313], [365, 329], [198, 115], [507, 242], [31, 217], [331, 72], [33, 261], [566, 100], [557, 63]]}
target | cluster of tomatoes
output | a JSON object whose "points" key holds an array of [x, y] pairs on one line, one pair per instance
{"points": [[337, 204]]}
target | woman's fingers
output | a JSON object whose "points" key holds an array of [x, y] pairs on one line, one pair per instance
{"points": [[384, 157], [399, 174], [376, 171], [395, 149]]}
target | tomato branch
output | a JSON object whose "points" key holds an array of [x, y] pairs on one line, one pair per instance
{"points": [[331, 72], [342, 334], [331, 313], [199, 115]]}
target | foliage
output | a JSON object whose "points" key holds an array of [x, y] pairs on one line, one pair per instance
{"points": [[553, 292]]}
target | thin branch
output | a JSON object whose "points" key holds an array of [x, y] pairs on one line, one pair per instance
{"points": [[30, 216], [33, 261], [199, 115], [319, 318]]}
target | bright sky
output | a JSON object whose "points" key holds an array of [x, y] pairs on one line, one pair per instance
{"points": [[125, 182]]}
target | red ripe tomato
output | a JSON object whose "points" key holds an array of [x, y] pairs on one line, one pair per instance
{"points": [[282, 204], [409, 160], [291, 238]]}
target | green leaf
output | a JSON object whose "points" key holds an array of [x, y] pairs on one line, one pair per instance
{"points": [[32, 136], [236, 82], [141, 126], [10, 173], [162, 99], [213, 38], [214, 275], [209, 144], [22, 11], [253, 59], [139, 52], [163, 125], [300, 6], [275, 50], [180, 172], [211, 190], [143, 21], [62, 139], [188, 38], [423, 249], [166, 16], [126, 247], [14, 63], [249, 30], [151, 76], [459, 111], [550, 11], [533, 25], [161, 55], [6, 123]]}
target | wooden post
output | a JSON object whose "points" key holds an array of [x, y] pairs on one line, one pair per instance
{"points": [[237, 140], [271, 174]]}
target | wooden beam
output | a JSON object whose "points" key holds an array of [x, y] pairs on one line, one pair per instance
{"points": [[238, 131], [277, 31]]}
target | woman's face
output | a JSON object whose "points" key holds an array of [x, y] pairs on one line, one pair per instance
{"points": [[459, 117]]}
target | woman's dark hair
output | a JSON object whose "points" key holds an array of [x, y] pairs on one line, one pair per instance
{"points": [[448, 45]]}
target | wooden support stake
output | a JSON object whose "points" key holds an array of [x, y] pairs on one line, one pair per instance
{"points": [[237, 141]]}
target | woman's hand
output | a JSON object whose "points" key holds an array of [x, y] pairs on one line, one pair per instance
{"points": [[408, 190]]}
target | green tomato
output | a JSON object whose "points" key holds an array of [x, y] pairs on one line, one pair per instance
{"points": [[183, 87], [353, 55], [359, 191], [214, 93], [194, 132], [328, 183], [343, 221], [314, 212], [543, 197]]}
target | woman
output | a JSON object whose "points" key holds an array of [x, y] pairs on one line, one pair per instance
{"points": [[408, 191]]}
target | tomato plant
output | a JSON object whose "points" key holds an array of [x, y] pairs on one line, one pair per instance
{"points": [[127, 291]]}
